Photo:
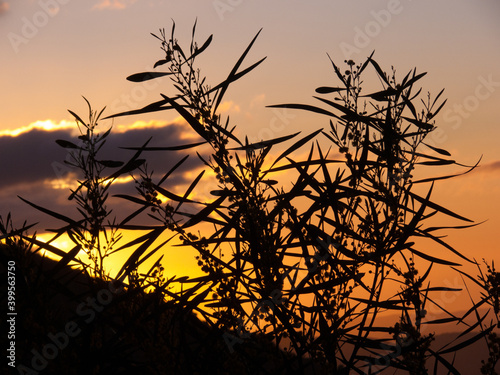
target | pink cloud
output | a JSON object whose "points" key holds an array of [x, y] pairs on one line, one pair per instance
{"points": [[493, 166], [487, 170], [4, 7], [113, 4]]}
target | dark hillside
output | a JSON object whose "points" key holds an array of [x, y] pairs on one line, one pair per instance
{"points": [[70, 323]]}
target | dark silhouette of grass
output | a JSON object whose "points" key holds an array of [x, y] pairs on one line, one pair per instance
{"points": [[296, 278]]}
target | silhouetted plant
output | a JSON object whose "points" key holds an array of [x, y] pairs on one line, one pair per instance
{"points": [[489, 283], [317, 274], [91, 193], [307, 267], [96, 233]]}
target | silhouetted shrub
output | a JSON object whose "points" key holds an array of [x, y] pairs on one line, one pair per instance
{"points": [[306, 266]]}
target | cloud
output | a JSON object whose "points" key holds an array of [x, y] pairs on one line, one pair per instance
{"points": [[257, 101], [47, 125], [491, 167], [488, 170], [229, 106], [4, 7], [113, 4], [32, 166]]}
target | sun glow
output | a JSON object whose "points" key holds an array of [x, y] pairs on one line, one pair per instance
{"points": [[46, 125], [62, 243], [155, 124], [70, 182], [180, 263]]}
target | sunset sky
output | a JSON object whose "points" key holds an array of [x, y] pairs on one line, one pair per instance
{"points": [[53, 52]]}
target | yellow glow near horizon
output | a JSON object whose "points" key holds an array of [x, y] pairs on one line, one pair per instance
{"points": [[176, 261], [139, 124], [46, 125], [70, 182], [53, 125]]}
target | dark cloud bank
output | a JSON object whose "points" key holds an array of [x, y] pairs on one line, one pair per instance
{"points": [[31, 160]]}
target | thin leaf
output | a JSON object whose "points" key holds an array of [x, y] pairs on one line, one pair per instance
{"points": [[132, 199], [45, 245], [77, 117], [337, 71], [177, 165], [296, 146], [202, 48], [410, 105], [441, 242], [437, 162], [232, 74], [434, 114], [305, 107], [161, 62], [442, 321], [469, 341], [473, 327], [235, 77], [172, 196], [433, 259], [328, 90], [153, 107], [51, 213], [166, 148], [195, 124], [132, 165], [203, 214], [448, 176], [420, 124], [267, 143], [66, 144], [447, 364], [438, 207], [438, 150], [365, 64], [379, 71], [226, 132], [433, 229], [68, 257], [190, 189], [178, 48], [389, 305], [132, 261], [383, 95], [146, 76], [347, 111], [437, 97], [413, 80], [323, 285], [110, 163]]}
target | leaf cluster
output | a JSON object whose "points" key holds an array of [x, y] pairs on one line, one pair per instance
{"points": [[309, 266]]}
